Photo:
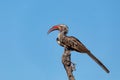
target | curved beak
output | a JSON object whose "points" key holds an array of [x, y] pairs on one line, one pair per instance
{"points": [[56, 27]]}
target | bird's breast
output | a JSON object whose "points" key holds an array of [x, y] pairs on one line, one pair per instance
{"points": [[59, 42]]}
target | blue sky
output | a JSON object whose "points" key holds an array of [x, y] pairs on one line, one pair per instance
{"points": [[28, 53]]}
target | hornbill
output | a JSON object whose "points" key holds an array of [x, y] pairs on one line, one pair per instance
{"points": [[73, 44]]}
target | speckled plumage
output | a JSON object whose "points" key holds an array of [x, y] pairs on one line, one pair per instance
{"points": [[73, 43]]}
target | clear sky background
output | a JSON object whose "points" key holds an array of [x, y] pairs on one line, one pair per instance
{"points": [[28, 53]]}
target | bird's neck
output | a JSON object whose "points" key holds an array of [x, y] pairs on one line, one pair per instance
{"points": [[60, 39], [61, 34]]}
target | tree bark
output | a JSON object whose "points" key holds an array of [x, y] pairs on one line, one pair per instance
{"points": [[68, 65]]}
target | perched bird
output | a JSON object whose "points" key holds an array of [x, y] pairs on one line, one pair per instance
{"points": [[73, 44]]}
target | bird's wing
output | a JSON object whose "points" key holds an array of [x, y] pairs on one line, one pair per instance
{"points": [[74, 44]]}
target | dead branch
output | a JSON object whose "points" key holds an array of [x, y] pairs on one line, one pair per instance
{"points": [[68, 65]]}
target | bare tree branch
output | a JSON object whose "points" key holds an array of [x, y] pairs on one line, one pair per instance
{"points": [[68, 65]]}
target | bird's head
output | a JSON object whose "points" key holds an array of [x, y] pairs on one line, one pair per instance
{"points": [[60, 27]]}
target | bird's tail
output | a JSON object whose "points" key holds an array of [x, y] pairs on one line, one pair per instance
{"points": [[98, 62]]}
